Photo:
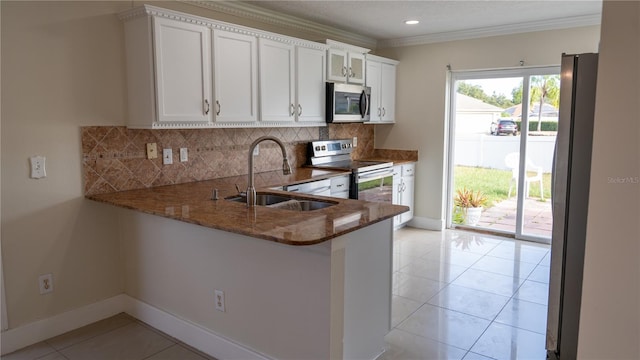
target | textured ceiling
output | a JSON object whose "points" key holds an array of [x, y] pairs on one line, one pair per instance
{"points": [[383, 20]]}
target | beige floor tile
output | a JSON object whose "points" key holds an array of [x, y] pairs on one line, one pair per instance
{"points": [[176, 352], [407, 346], [30, 352], [445, 326], [130, 342], [90, 331], [401, 308]]}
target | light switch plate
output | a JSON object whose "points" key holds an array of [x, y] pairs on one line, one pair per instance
{"points": [[167, 156], [152, 151], [38, 167], [184, 155]]}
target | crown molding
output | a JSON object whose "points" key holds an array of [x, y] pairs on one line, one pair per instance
{"points": [[248, 11], [552, 24]]}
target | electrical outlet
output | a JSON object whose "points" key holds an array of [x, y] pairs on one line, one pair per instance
{"points": [[219, 300], [45, 282], [256, 150], [167, 156], [37, 167], [355, 141], [152, 151], [184, 155]]}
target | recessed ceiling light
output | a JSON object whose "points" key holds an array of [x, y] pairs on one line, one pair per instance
{"points": [[411, 22]]}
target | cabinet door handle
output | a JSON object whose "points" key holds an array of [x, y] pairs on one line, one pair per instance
{"points": [[206, 111], [219, 107], [379, 112], [299, 110], [344, 71], [293, 109], [351, 73], [384, 111]]}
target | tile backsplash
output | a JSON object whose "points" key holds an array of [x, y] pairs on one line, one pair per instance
{"points": [[114, 157]]}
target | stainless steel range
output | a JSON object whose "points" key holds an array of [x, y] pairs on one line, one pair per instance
{"points": [[370, 180]]}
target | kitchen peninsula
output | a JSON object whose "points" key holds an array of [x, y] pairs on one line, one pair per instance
{"points": [[314, 284]]}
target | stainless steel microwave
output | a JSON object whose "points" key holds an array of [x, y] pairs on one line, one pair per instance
{"points": [[347, 103]]}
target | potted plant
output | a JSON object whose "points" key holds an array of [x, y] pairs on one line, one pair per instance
{"points": [[470, 203]]}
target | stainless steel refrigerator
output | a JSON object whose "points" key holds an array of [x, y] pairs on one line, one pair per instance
{"points": [[570, 200]]}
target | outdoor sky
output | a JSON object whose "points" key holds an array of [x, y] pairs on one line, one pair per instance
{"points": [[500, 86]]}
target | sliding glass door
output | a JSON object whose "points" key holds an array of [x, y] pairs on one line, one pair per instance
{"points": [[502, 128]]}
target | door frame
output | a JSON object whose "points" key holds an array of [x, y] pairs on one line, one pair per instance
{"points": [[454, 76]]}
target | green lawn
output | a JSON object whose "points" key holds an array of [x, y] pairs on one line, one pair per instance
{"points": [[494, 183]]}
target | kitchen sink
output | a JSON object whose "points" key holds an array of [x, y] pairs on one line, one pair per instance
{"points": [[284, 202]]}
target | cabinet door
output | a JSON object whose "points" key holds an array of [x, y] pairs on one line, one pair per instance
{"points": [[388, 92], [408, 183], [397, 189], [337, 65], [183, 80], [373, 81], [356, 68], [310, 84], [235, 63], [276, 81]]}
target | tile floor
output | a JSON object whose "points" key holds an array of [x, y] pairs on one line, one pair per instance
{"points": [[463, 295], [456, 295], [118, 337]]}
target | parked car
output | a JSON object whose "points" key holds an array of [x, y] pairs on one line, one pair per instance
{"points": [[504, 127]]}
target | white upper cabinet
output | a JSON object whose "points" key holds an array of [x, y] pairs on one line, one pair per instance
{"points": [[310, 85], [277, 100], [176, 93], [183, 77], [292, 83], [346, 63], [345, 66], [381, 78], [235, 59], [187, 71]]}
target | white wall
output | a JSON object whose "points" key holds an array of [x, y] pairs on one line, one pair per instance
{"points": [[62, 67], [421, 92], [610, 313]]}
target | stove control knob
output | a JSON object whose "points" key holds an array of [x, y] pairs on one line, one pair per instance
{"points": [[324, 147], [318, 148]]}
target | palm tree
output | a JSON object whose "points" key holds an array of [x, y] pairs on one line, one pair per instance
{"points": [[543, 88]]}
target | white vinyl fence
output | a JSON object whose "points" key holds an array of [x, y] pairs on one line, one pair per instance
{"points": [[488, 151]]}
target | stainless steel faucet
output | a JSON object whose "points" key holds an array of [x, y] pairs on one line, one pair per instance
{"points": [[286, 169]]}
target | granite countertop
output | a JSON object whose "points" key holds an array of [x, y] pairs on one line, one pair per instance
{"points": [[191, 203]]}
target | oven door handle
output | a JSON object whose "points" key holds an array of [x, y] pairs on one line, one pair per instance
{"points": [[373, 175]]}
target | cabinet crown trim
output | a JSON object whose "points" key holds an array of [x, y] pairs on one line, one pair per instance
{"points": [[346, 47], [382, 59], [150, 10]]}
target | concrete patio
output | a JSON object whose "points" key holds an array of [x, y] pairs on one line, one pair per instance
{"points": [[502, 216]]}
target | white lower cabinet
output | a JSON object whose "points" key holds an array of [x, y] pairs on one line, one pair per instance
{"points": [[403, 185], [340, 186]]}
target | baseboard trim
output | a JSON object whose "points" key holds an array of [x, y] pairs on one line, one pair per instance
{"points": [[191, 334], [31, 333], [427, 223]]}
